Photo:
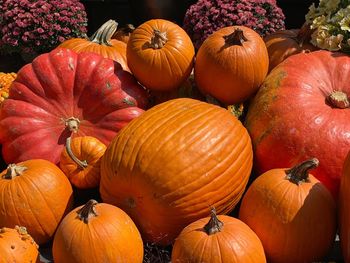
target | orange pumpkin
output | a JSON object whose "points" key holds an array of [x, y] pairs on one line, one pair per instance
{"points": [[97, 233], [35, 194], [16, 245], [80, 161], [160, 54], [101, 43], [123, 33], [218, 239], [293, 214], [168, 165], [6, 80], [231, 64]]}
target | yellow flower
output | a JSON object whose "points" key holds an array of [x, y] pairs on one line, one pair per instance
{"points": [[318, 21], [323, 39], [330, 5], [345, 23]]}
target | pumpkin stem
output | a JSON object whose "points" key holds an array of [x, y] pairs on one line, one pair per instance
{"points": [[72, 124], [235, 38], [214, 225], [158, 39], [104, 34], [127, 29], [300, 172], [87, 211], [14, 170], [304, 34], [338, 99], [81, 164]]}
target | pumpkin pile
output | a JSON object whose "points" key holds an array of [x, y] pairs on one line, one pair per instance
{"points": [[236, 153]]}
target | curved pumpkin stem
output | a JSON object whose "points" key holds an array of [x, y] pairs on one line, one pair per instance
{"points": [[300, 172], [235, 38], [87, 211], [81, 164], [127, 29], [104, 34], [214, 225], [14, 170], [304, 34], [158, 40], [338, 99]]}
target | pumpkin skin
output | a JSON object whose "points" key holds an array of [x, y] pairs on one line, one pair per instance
{"points": [[165, 168], [292, 115], [285, 43], [61, 93], [6, 80], [16, 245], [97, 233], [101, 42], [83, 170], [160, 64], [36, 197], [293, 214], [218, 239], [344, 210], [231, 64]]}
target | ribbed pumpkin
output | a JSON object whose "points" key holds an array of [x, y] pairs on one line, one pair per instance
{"points": [[218, 239], [344, 210], [97, 233], [231, 64], [101, 42], [17, 246], [293, 214], [80, 161], [6, 80], [166, 167], [35, 194], [160, 54]]}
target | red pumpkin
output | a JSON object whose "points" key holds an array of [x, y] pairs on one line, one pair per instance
{"points": [[63, 92], [301, 111]]}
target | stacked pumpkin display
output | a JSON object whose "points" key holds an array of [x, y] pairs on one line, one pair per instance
{"points": [[171, 173]]}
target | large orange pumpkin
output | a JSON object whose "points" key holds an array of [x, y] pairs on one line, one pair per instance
{"points": [[231, 64], [35, 194], [293, 214], [218, 239], [101, 42], [98, 233], [160, 54], [17, 246], [166, 167]]}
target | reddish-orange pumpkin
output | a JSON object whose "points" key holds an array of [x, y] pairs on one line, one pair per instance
{"points": [[98, 233], [293, 214], [218, 239], [35, 194], [166, 167], [231, 64], [80, 161], [160, 54], [17, 246], [101, 42]]}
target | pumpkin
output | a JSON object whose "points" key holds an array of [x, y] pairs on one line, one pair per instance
{"points": [[167, 166], [292, 212], [97, 233], [123, 33], [35, 194], [344, 210], [16, 245], [63, 93], [300, 111], [160, 54], [101, 42], [218, 239], [284, 43], [80, 161], [231, 64], [6, 80]]}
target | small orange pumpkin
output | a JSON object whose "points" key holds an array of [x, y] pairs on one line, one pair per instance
{"points": [[97, 233], [160, 54], [101, 43], [16, 245], [80, 161], [218, 239]]}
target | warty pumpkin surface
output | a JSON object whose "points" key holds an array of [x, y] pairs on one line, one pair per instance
{"points": [[301, 110], [62, 94], [173, 162]]}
